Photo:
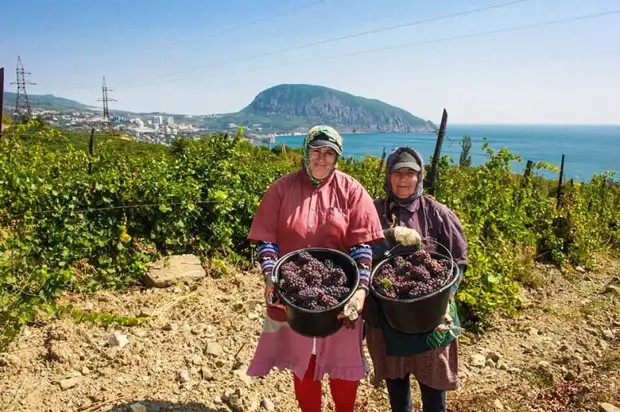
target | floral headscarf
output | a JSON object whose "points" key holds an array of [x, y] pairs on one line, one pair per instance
{"points": [[320, 136]]}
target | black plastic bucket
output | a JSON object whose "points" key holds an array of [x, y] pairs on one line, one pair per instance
{"points": [[421, 314], [317, 323]]}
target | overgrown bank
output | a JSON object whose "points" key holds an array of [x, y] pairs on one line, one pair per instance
{"points": [[63, 228]]}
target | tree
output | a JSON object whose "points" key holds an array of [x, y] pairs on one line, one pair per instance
{"points": [[465, 159]]}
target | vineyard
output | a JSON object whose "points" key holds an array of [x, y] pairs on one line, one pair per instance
{"points": [[78, 220]]}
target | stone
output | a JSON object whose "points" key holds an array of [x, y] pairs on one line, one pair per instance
{"points": [[238, 306], [607, 407], [118, 339], [498, 404], [206, 373], [69, 383], [196, 359], [139, 333], [494, 356], [137, 407], [174, 269], [477, 360], [243, 376], [213, 349], [608, 334], [183, 376], [268, 405]]}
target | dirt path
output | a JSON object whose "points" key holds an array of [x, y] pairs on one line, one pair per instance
{"points": [[561, 354]]}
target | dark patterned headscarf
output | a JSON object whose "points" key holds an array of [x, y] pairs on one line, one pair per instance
{"points": [[398, 158]]}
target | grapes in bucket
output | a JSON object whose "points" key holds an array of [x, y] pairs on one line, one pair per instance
{"points": [[313, 284]]}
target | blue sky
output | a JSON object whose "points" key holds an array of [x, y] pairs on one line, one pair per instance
{"points": [[163, 55]]}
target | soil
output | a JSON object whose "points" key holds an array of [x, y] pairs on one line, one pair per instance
{"points": [[561, 353]]}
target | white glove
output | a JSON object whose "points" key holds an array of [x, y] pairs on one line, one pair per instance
{"points": [[351, 310], [407, 236]]}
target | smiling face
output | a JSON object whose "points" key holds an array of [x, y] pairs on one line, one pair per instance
{"points": [[322, 161], [404, 182]]}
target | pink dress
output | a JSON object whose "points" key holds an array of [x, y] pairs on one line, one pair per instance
{"points": [[294, 214]]}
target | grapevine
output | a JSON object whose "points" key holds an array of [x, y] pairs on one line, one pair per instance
{"points": [[313, 284], [202, 196]]}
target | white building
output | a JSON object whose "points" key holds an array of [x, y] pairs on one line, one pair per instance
{"points": [[170, 120]]}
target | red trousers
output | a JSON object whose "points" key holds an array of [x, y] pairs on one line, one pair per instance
{"points": [[308, 391]]}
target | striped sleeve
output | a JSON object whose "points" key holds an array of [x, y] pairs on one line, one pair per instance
{"points": [[268, 254], [362, 255]]}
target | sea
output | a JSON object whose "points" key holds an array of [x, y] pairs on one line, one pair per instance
{"points": [[587, 149]]}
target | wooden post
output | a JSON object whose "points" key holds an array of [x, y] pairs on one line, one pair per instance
{"points": [[381, 162], [528, 173], [559, 194], [1, 98], [432, 178], [91, 150]]}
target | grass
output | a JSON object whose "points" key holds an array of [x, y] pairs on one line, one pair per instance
{"points": [[539, 377], [602, 304]]}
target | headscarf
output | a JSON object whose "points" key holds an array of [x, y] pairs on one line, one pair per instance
{"points": [[391, 161], [320, 136]]}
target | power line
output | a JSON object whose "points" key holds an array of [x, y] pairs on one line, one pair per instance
{"points": [[262, 19], [440, 40], [420, 43], [105, 99], [346, 37], [22, 105], [232, 29], [329, 40], [408, 45]]}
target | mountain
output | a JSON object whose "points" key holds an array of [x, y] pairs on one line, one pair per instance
{"points": [[285, 108], [44, 101], [296, 107]]}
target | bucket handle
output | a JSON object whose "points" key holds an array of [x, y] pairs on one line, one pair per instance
{"points": [[436, 243], [417, 247], [273, 300], [388, 253]]}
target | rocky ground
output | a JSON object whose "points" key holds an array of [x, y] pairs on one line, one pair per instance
{"points": [[561, 354]]}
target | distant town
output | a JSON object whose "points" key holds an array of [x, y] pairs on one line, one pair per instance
{"points": [[161, 129]]}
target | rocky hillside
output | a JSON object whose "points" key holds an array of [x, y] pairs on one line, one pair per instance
{"points": [[44, 101], [561, 354], [296, 107]]}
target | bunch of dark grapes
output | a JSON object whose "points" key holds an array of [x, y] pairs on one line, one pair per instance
{"points": [[313, 284], [415, 276]]}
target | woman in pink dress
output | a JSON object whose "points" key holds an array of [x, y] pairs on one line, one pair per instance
{"points": [[317, 206]]}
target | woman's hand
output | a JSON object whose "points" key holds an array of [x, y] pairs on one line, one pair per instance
{"points": [[448, 317], [275, 310], [353, 308], [407, 236], [268, 292]]}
